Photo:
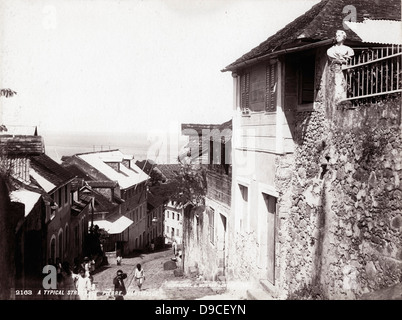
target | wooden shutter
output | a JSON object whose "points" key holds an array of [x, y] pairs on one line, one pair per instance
{"points": [[245, 90], [271, 87]]}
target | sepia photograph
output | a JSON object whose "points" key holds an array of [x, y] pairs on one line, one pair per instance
{"points": [[212, 151]]}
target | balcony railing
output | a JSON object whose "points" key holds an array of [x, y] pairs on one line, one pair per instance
{"points": [[374, 72]]}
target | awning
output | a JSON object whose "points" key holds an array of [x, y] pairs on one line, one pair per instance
{"points": [[115, 227]]}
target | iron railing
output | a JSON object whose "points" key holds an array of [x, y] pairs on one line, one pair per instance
{"points": [[374, 72]]}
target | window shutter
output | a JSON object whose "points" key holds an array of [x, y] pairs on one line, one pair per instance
{"points": [[271, 85], [245, 90]]}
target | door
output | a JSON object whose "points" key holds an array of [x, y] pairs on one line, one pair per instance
{"points": [[221, 242], [270, 203]]}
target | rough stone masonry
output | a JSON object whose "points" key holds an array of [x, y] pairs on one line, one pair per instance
{"points": [[340, 216]]}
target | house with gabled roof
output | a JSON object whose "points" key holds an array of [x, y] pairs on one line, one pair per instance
{"points": [[56, 182], [316, 157], [41, 189], [116, 176]]}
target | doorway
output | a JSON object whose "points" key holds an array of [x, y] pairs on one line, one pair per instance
{"points": [[270, 212], [221, 243]]}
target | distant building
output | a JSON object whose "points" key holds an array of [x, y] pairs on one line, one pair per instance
{"points": [[173, 222], [206, 228], [155, 220], [119, 179]]}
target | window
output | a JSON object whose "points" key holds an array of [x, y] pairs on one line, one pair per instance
{"points": [[306, 79], [211, 218], [258, 88], [271, 87], [60, 198], [66, 195], [178, 217], [77, 236], [60, 243], [66, 239], [167, 214], [243, 204], [53, 249]]}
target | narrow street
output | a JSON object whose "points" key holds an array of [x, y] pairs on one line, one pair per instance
{"points": [[159, 284]]}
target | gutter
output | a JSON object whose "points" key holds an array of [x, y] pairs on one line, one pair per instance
{"points": [[278, 53]]}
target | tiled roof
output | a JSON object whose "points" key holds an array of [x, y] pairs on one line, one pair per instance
{"points": [[76, 170], [51, 172], [170, 171], [23, 145], [321, 23]]}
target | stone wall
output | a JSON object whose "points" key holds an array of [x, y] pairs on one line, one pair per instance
{"points": [[340, 211]]}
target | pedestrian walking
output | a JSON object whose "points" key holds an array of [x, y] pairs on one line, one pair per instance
{"points": [[174, 246], [119, 287], [139, 276], [152, 246], [83, 285]]}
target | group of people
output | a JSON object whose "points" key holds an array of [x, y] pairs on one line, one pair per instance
{"points": [[76, 281], [118, 281]]}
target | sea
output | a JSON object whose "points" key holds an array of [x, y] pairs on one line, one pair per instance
{"points": [[161, 148]]}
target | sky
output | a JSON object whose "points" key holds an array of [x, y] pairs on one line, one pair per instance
{"points": [[128, 65]]}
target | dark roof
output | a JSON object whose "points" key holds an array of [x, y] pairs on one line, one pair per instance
{"points": [[145, 165], [102, 204], [320, 23], [102, 184], [50, 170], [154, 201], [76, 171], [22, 144], [170, 171]]}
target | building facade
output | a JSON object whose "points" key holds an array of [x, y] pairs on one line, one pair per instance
{"points": [[173, 222], [205, 235], [128, 181], [308, 170]]}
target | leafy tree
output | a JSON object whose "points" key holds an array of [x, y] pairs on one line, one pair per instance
{"points": [[5, 165], [6, 93], [191, 185]]}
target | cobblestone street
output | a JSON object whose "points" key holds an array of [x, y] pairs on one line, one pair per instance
{"points": [[159, 284]]}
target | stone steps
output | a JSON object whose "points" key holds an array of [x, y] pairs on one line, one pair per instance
{"points": [[258, 294], [265, 291]]}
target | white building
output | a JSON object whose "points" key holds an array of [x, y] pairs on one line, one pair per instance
{"points": [[113, 165], [174, 222]]}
